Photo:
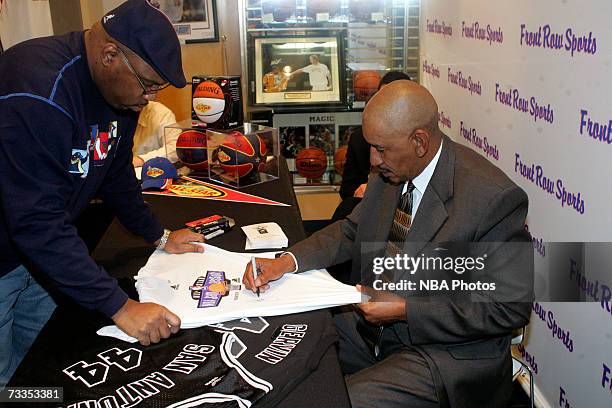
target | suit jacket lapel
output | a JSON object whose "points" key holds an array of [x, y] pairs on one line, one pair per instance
{"points": [[389, 198], [374, 225], [432, 213]]}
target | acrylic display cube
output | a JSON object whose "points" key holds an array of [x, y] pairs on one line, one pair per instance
{"points": [[243, 156]]}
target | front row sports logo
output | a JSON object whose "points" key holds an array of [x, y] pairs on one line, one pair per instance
{"points": [[210, 289]]}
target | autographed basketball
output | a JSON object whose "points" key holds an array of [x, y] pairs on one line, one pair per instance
{"points": [[311, 162], [240, 155], [209, 102], [191, 149], [365, 84], [340, 159]]}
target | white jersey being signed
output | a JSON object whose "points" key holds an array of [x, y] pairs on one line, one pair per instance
{"points": [[206, 288]]}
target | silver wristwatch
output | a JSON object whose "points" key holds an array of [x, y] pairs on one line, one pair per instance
{"points": [[163, 239]]}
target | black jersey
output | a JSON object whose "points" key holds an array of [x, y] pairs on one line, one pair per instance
{"points": [[193, 368], [234, 364], [283, 349]]}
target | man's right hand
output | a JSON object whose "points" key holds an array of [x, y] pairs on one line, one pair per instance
{"points": [[267, 270], [148, 322]]}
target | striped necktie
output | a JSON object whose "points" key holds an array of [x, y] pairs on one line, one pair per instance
{"points": [[402, 220]]}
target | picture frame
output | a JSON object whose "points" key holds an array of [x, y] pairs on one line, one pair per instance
{"points": [[195, 21], [315, 128], [298, 70]]}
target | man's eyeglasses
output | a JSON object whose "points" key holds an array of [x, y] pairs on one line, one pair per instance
{"points": [[147, 90]]}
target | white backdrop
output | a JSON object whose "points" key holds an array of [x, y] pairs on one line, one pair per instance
{"points": [[519, 81]]}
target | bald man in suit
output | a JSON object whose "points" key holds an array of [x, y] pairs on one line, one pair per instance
{"points": [[412, 349]]}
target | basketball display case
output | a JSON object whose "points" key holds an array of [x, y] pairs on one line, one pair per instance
{"points": [[315, 145], [375, 36], [239, 157], [370, 38], [242, 156]]}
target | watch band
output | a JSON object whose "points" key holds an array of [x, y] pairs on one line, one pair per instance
{"points": [[163, 239]]}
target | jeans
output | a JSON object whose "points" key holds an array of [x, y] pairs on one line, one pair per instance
{"points": [[25, 307]]}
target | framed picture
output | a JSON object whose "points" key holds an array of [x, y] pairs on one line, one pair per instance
{"points": [[292, 140], [322, 136], [194, 20], [298, 70], [345, 132]]}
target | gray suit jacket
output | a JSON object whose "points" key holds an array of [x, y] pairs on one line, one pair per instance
{"points": [[466, 343]]}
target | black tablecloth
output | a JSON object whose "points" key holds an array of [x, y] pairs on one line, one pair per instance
{"points": [[123, 254]]}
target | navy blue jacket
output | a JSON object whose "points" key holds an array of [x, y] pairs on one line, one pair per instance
{"points": [[61, 144]]}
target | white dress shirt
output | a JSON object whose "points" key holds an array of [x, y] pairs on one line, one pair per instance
{"points": [[149, 136], [422, 181]]}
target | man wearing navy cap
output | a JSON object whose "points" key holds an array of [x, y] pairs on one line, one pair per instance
{"points": [[69, 109]]}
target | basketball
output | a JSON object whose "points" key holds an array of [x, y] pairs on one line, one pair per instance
{"points": [[311, 162], [365, 84], [241, 156], [191, 149], [209, 102], [340, 159]]}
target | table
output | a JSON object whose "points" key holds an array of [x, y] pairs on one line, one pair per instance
{"points": [[122, 254]]}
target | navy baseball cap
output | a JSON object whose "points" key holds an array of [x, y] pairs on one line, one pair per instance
{"points": [[146, 30], [158, 172]]}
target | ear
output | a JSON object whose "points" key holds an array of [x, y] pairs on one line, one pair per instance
{"points": [[421, 141], [109, 52]]}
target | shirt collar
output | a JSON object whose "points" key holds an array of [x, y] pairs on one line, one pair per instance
{"points": [[422, 180]]}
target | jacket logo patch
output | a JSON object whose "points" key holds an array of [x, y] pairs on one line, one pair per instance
{"points": [[79, 162], [103, 139]]}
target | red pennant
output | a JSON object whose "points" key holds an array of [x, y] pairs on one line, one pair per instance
{"points": [[191, 188]]}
